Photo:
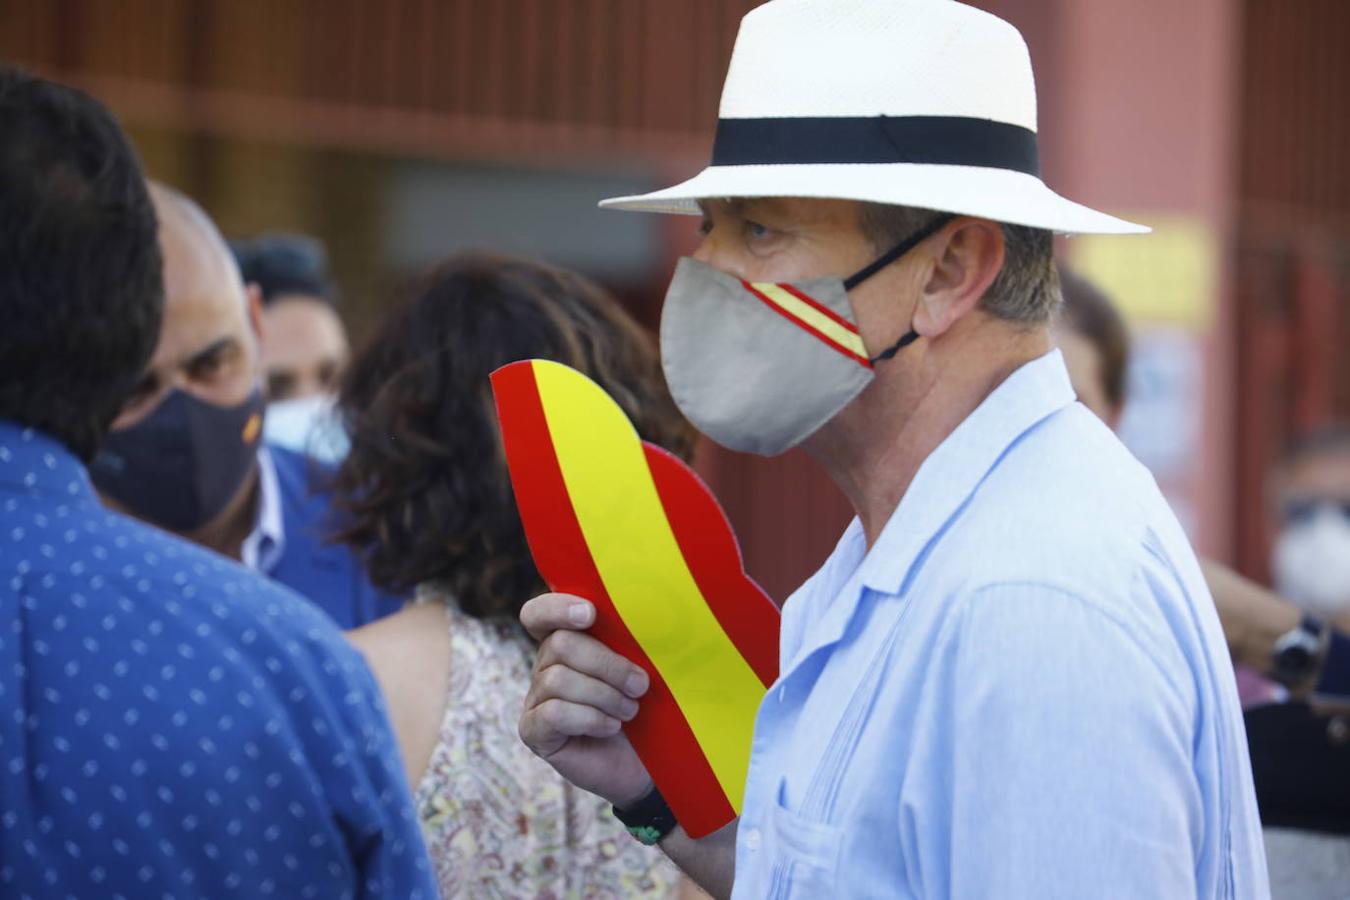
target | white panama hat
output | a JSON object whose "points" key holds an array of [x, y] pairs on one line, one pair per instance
{"points": [[922, 103]]}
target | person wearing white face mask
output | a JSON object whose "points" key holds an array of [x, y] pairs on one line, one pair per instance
{"points": [[1301, 750], [1312, 554], [304, 344], [1267, 634], [1311, 570]]}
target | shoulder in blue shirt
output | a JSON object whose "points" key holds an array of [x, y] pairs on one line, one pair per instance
{"points": [[328, 574], [1021, 690], [174, 725]]}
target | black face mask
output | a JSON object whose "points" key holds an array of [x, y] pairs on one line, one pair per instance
{"points": [[180, 466]]}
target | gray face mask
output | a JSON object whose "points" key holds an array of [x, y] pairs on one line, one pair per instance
{"points": [[759, 367]]}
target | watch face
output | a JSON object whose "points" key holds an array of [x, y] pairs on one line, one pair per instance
{"points": [[646, 834], [1294, 660]]}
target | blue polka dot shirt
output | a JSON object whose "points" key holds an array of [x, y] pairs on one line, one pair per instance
{"points": [[173, 725]]}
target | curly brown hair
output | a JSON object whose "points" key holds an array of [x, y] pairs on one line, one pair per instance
{"points": [[424, 495]]}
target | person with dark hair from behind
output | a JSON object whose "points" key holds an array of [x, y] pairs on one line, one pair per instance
{"points": [[1298, 638], [186, 452], [1095, 342], [304, 343], [426, 491], [174, 725]]}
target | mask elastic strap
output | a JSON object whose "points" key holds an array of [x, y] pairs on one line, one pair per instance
{"points": [[897, 251], [895, 348], [885, 260]]}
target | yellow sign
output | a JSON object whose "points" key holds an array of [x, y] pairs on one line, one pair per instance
{"points": [[1169, 277]]}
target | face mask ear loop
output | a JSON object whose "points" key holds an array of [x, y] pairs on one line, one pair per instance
{"points": [[895, 348], [885, 260], [897, 251]]}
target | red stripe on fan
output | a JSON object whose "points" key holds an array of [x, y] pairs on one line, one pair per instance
{"points": [[659, 733], [740, 606]]}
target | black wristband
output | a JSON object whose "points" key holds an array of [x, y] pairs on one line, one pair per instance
{"points": [[649, 820]]}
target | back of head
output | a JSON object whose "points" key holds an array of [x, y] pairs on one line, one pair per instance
{"points": [[285, 265], [1026, 291], [80, 276], [425, 487], [1089, 313]]}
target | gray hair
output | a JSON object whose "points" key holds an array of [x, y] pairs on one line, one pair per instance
{"points": [[1026, 289]]}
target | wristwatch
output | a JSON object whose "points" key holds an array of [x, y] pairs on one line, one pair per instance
{"points": [[649, 820], [1297, 653]]}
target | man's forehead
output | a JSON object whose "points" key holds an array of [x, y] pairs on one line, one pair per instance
{"points": [[196, 258], [204, 296], [803, 208], [203, 301], [194, 323], [748, 204]]}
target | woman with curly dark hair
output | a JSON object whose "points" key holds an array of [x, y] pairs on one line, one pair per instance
{"points": [[428, 504]]}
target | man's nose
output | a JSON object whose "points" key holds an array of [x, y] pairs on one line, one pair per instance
{"points": [[704, 252], [710, 253]]}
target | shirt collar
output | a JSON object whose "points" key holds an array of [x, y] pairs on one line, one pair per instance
{"points": [[33, 462], [956, 468], [263, 548]]}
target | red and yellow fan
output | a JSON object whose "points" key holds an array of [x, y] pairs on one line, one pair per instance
{"points": [[631, 528]]}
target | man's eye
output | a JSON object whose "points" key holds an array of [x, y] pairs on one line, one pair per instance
{"points": [[280, 385], [756, 230], [328, 375], [205, 368], [705, 227]]}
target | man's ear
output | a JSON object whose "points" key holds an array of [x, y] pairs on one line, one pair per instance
{"points": [[967, 257], [253, 297]]}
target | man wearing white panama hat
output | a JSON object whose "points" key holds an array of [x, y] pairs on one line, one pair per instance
{"points": [[1008, 680]]}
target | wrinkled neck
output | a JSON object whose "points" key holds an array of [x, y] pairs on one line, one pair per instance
{"points": [[874, 448]]}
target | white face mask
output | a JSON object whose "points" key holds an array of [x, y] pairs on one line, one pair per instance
{"points": [[1312, 560], [307, 425]]}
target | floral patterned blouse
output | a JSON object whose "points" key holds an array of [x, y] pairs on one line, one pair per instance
{"points": [[499, 821]]}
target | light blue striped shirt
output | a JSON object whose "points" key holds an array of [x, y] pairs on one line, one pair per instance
{"points": [[1021, 691]]}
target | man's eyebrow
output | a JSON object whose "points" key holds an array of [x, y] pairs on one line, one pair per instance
{"points": [[734, 205], [754, 207], [770, 206], [209, 350]]}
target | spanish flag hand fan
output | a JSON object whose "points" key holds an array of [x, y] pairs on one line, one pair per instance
{"points": [[632, 529]]}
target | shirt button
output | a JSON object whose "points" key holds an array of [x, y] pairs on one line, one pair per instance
{"points": [[752, 840]]}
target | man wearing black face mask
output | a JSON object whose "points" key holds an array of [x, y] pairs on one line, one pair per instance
{"points": [[185, 453]]}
